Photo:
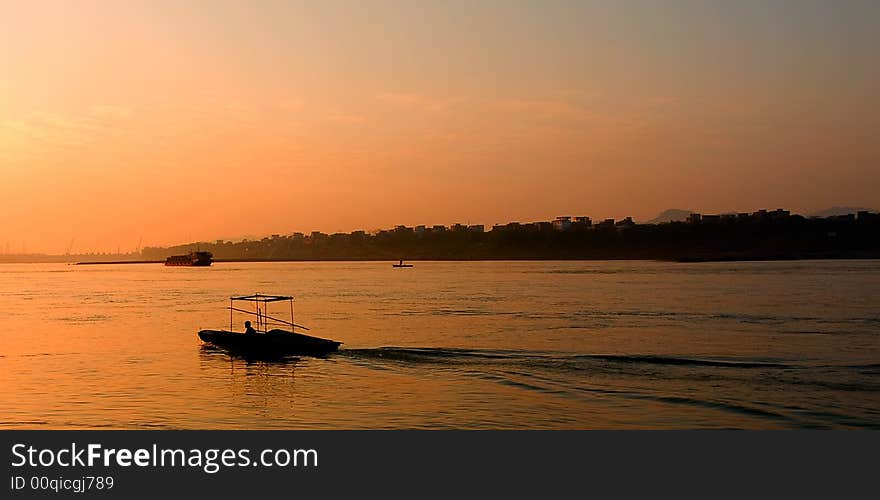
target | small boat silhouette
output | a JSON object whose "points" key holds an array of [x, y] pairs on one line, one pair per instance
{"points": [[263, 341], [401, 264]]}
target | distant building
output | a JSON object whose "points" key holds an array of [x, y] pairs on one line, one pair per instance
{"points": [[780, 214], [583, 220], [626, 223], [562, 223], [694, 218], [510, 226], [476, 228], [438, 228], [458, 227], [606, 224], [420, 229]]}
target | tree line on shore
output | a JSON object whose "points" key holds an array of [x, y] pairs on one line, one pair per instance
{"points": [[758, 236], [725, 238]]}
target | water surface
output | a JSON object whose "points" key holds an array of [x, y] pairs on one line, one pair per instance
{"points": [[581, 345]]}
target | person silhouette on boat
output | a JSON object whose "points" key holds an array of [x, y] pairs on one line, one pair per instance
{"points": [[248, 329]]}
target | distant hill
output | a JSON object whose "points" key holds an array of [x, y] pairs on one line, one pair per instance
{"points": [[833, 211], [671, 215]]}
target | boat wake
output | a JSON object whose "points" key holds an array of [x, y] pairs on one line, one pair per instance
{"points": [[454, 355], [698, 382]]}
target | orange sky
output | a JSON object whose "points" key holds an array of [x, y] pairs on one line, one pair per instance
{"points": [[163, 123]]}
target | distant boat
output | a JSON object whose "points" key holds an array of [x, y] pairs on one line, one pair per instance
{"points": [[401, 264], [191, 259], [262, 341]]}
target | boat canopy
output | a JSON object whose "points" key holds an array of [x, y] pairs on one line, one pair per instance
{"points": [[264, 321], [261, 298]]}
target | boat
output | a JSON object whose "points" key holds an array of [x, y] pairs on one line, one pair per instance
{"points": [[197, 259], [401, 264], [264, 339]]}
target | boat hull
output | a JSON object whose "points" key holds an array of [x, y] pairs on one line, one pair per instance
{"points": [[189, 264], [273, 343]]}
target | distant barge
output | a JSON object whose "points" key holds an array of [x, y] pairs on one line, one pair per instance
{"points": [[191, 259]]}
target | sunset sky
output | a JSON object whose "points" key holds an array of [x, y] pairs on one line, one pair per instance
{"points": [[169, 122]]}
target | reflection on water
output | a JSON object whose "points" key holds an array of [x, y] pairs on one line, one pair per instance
{"points": [[449, 345], [212, 354]]}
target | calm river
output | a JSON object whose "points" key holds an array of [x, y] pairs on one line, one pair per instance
{"points": [[584, 345]]}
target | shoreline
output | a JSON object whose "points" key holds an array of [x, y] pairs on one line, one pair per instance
{"points": [[680, 260]]}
